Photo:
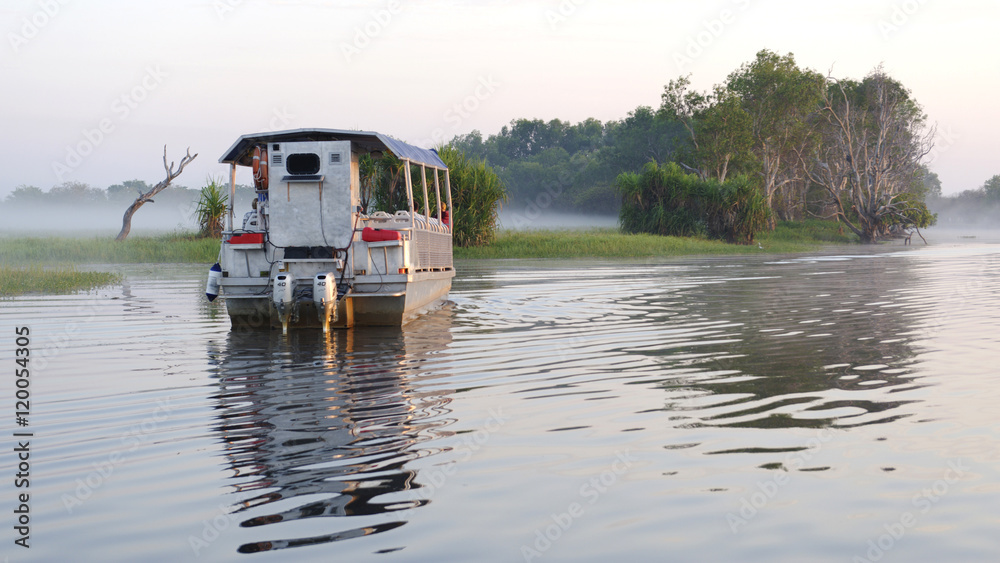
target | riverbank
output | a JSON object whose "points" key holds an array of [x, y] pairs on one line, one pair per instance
{"points": [[799, 236], [788, 237], [44, 264]]}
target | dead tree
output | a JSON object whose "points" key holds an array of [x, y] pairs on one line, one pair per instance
{"points": [[873, 140], [148, 196]]}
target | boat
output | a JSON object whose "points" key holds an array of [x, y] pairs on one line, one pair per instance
{"points": [[309, 254]]}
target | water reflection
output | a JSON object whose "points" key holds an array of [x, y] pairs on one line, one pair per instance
{"points": [[789, 344], [321, 428]]}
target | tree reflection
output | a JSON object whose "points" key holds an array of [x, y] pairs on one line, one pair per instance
{"points": [[797, 344]]}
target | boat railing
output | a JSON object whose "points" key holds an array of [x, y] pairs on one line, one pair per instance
{"points": [[431, 240], [401, 221]]}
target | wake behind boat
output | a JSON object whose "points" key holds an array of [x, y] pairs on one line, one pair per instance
{"points": [[310, 255]]}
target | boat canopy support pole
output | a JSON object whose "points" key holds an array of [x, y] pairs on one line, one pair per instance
{"points": [[451, 210], [427, 201], [409, 192], [437, 194], [232, 192]]}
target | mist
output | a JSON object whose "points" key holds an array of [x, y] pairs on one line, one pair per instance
{"points": [[966, 213], [534, 219], [40, 219]]}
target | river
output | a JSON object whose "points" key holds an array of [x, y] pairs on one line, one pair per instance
{"points": [[838, 406]]}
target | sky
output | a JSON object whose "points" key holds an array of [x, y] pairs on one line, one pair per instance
{"points": [[93, 90]]}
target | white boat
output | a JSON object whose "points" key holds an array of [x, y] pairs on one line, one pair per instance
{"points": [[309, 255]]}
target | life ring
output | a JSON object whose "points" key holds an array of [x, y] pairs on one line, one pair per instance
{"points": [[260, 167]]}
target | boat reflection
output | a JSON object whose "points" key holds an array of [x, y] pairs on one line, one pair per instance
{"points": [[321, 426]]}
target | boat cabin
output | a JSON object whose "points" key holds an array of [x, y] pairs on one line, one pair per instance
{"points": [[310, 253]]}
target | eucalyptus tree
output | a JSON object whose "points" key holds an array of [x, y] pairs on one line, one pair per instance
{"points": [[778, 97], [718, 128]]}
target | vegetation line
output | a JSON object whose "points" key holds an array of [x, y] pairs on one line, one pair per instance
{"points": [[788, 237]]}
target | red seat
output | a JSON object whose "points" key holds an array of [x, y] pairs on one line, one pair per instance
{"points": [[248, 238], [369, 234]]}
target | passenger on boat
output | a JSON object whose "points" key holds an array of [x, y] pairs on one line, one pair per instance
{"points": [[444, 215]]}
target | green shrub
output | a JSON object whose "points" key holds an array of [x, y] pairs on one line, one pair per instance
{"points": [[664, 200], [477, 194], [212, 208], [661, 201], [736, 210]]}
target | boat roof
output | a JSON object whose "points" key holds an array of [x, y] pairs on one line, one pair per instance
{"points": [[242, 150]]}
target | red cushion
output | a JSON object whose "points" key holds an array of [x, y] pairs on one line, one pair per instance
{"points": [[369, 234], [248, 238]]}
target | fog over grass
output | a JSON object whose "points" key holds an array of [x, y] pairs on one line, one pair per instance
{"points": [[515, 218], [152, 218], [41, 219]]}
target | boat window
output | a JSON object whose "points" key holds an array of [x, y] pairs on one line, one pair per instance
{"points": [[302, 163]]}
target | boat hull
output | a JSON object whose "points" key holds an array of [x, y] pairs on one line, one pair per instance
{"points": [[388, 305]]}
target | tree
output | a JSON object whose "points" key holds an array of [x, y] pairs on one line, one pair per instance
{"points": [[992, 189], [23, 195], [76, 193], [471, 145], [718, 129], [147, 196], [929, 183], [121, 191], [873, 138], [778, 96], [644, 136]]}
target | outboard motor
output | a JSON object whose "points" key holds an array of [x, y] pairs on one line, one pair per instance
{"points": [[284, 298], [325, 298]]}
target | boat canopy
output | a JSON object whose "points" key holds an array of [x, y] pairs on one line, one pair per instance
{"points": [[241, 152]]}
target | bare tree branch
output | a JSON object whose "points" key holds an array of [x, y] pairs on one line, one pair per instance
{"points": [[873, 142], [147, 197]]}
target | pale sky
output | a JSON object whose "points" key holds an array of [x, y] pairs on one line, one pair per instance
{"points": [[200, 73]]}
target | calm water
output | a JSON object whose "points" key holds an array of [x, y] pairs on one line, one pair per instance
{"points": [[841, 407]]}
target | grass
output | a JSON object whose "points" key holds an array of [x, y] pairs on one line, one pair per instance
{"points": [[160, 249], [56, 252], [53, 280], [788, 237], [50, 259]]}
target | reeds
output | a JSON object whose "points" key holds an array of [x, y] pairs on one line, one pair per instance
{"points": [[18, 280]]}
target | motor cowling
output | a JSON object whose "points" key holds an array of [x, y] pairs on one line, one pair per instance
{"points": [[325, 298], [283, 296]]}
